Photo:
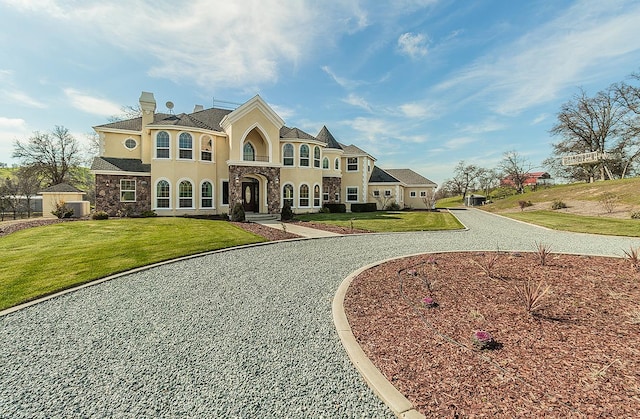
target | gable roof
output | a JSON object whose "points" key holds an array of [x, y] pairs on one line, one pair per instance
{"points": [[409, 177], [378, 175], [207, 119], [325, 136], [114, 164], [295, 133], [351, 149]]}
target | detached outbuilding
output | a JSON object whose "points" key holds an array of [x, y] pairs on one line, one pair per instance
{"points": [[67, 194]]}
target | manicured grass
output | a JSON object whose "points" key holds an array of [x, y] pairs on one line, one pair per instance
{"points": [[40, 261], [388, 221], [579, 223]]}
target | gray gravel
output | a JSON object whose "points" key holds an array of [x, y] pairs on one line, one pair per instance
{"points": [[236, 334]]}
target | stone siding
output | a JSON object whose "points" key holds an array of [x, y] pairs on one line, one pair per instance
{"points": [[273, 185], [108, 195], [332, 185]]}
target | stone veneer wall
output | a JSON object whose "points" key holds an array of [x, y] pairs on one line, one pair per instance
{"points": [[273, 185], [108, 197], [331, 185]]}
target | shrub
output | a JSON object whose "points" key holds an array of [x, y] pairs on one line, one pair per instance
{"points": [[369, 207], [336, 208], [542, 250], [148, 213], [532, 295], [286, 213], [324, 210], [635, 215], [394, 206], [99, 215], [224, 216], [523, 204], [557, 204], [237, 213], [608, 201], [62, 211]]}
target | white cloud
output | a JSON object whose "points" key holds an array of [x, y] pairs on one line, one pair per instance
{"points": [[12, 123], [284, 112], [538, 119], [22, 98], [90, 104], [416, 110], [457, 143], [489, 125], [11, 129], [358, 101], [413, 45], [574, 48], [341, 81]]}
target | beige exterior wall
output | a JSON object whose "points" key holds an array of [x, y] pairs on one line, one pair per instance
{"points": [[416, 202], [115, 146], [358, 179], [247, 129], [51, 199]]}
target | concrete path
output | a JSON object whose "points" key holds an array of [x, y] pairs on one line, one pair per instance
{"points": [[235, 334], [298, 229]]}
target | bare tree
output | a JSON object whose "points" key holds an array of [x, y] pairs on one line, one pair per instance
{"points": [[515, 168], [429, 199], [52, 155], [465, 177], [488, 179], [127, 112], [29, 184]]}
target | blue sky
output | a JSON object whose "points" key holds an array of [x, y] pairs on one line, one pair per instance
{"points": [[417, 83]]}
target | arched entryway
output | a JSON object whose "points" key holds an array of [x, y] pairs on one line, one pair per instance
{"points": [[256, 188], [251, 195]]}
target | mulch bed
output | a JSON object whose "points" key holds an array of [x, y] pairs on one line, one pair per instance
{"points": [[329, 227], [577, 356]]}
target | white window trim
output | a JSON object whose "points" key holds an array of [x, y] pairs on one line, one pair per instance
{"points": [[293, 198], [423, 194], [336, 163], [178, 198], [155, 194], [347, 193], [253, 146], [222, 181], [376, 193], [124, 143], [135, 192], [313, 197], [309, 197], [325, 158], [213, 147], [155, 146], [293, 157], [412, 194], [309, 157], [180, 149], [357, 165], [213, 194], [388, 193]]}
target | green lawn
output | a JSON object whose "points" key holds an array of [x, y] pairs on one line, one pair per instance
{"points": [[388, 221], [40, 261], [579, 223]]}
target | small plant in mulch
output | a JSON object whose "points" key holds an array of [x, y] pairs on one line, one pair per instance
{"points": [[543, 251], [482, 340], [532, 295], [429, 302], [609, 201], [633, 256], [557, 204], [488, 263]]}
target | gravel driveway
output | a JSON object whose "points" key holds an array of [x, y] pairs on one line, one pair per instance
{"points": [[243, 333]]}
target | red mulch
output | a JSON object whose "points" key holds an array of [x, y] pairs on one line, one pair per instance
{"points": [[329, 227], [578, 356]]}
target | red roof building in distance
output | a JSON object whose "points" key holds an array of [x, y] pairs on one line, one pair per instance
{"points": [[533, 179]]}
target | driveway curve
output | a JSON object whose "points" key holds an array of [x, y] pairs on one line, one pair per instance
{"points": [[236, 334]]}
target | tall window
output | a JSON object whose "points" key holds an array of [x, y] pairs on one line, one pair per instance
{"points": [[225, 192], [287, 154], [127, 190], [336, 163], [304, 155], [352, 194], [304, 195], [185, 193], [162, 194], [316, 196], [287, 195], [206, 149], [316, 157], [248, 152], [352, 164], [185, 145], [206, 195], [162, 145], [325, 163]]}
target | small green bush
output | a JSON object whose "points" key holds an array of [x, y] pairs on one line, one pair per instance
{"points": [[336, 208], [558, 204], [62, 211], [237, 213], [635, 215], [287, 213], [392, 207], [369, 207], [324, 210], [99, 215], [148, 213]]}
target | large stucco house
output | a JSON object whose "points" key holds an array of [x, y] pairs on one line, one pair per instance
{"points": [[204, 162]]}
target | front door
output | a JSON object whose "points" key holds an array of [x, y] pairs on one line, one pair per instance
{"points": [[250, 196]]}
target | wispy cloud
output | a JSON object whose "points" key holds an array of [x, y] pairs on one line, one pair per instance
{"points": [[22, 98], [90, 104], [413, 45], [416, 110], [11, 129], [567, 51], [357, 101], [489, 125], [540, 118], [342, 81], [457, 143]]}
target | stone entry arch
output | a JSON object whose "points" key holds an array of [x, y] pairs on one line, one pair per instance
{"points": [[266, 176]]}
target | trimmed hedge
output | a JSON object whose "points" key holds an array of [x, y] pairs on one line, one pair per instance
{"points": [[368, 207], [336, 208]]}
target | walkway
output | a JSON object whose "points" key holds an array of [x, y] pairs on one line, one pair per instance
{"points": [[298, 229], [240, 333]]}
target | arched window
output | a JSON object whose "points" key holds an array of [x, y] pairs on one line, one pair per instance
{"points": [[287, 155], [336, 163], [162, 145], [316, 157], [248, 152], [325, 163], [185, 193], [206, 195], [304, 195], [287, 195], [185, 146], [316, 196], [304, 155], [206, 149], [162, 194]]}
